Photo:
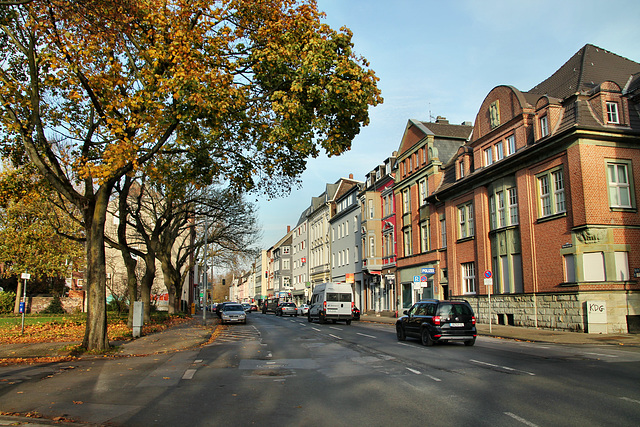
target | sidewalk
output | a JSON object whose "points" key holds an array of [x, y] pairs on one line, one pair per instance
{"points": [[535, 335]]}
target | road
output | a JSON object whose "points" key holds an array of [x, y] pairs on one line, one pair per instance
{"points": [[288, 372]]}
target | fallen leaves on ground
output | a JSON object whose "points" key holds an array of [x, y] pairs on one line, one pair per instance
{"points": [[73, 331]]}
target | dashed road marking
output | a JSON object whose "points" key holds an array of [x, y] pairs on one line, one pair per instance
{"points": [[365, 335], [506, 368], [522, 420], [335, 336], [188, 374]]}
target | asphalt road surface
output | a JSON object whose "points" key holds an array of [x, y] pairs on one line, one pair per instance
{"points": [[285, 371]]}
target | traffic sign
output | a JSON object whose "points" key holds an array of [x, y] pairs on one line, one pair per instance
{"points": [[416, 279], [487, 274], [428, 270]]}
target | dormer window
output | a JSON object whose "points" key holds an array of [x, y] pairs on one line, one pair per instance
{"points": [[544, 126], [488, 156], [612, 112], [461, 168]]}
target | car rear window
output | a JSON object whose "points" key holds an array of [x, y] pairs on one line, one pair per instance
{"points": [[455, 309], [288, 304], [232, 307]]}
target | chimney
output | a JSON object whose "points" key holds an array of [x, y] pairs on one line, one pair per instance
{"points": [[350, 176], [442, 120], [288, 228]]}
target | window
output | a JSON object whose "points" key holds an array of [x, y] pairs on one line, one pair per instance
{"points": [[469, 278], [371, 209], [500, 200], [619, 185], [488, 156], [465, 225], [593, 267], [612, 112], [551, 192], [499, 151], [461, 168], [544, 126], [621, 266], [407, 242], [424, 236], [513, 206], [443, 233], [423, 192], [511, 145], [406, 205], [372, 247]]}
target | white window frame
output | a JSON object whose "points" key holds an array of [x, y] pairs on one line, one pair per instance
{"points": [[499, 150], [544, 126], [513, 206], [422, 185], [619, 189], [612, 112], [406, 201], [424, 236], [488, 156], [443, 233], [465, 221], [511, 145], [407, 242], [551, 196], [468, 277]]}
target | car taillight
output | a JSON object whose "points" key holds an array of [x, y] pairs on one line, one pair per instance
{"points": [[473, 320], [352, 305], [324, 305], [437, 320]]}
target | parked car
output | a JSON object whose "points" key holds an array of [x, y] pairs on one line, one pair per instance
{"points": [[270, 305], [288, 308], [246, 306], [303, 310], [233, 313], [438, 321], [221, 305], [356, 313], [254, 307]]}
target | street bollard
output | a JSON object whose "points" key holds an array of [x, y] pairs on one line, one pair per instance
{"points": [[138, 318]]}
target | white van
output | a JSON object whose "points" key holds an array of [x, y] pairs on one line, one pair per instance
{"points": [[331, 301]]}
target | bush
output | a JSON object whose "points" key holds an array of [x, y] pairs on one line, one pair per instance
{"points": [[7, 301], [55, 307]]}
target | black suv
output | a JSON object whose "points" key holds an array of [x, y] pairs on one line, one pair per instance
{"points": [[435, 320]]}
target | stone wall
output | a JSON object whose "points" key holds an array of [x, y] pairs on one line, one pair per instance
{"points": [[71, 304], [566, 311]]}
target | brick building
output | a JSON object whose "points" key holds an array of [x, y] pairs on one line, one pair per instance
{"points": [[544, 196]]}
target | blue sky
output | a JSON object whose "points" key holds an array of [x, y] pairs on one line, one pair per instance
{"points": [[441, 58]]}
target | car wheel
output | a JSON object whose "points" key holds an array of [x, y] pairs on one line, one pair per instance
{"points": [[296, 314], [348, 322], [469, 343], [333, 321], [426, 337], [321, 318], [400, 333], [309, 318]]}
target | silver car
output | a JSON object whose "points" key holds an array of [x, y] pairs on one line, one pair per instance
{"points": [[233, 313]]}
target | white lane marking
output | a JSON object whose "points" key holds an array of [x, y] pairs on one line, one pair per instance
{"points": [[197, 361], [365, 335], [269, 355], [333, 327], [522, 420], [408, 345], [603, 355], [188, 374], [630, 400], [315, 329], [335, 336], [501, 367], [415, 371]]}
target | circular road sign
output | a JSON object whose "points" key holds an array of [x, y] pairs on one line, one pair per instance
{"points": [[487, 274]]}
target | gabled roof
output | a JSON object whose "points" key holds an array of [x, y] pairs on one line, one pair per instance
{"points": [[589, 67], [441, 129]]}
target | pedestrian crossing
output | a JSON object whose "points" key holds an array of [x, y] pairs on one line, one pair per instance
{"points": [[236, 333]]}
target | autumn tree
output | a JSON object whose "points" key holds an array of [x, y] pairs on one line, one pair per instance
{"points": [[36, 236], [247, 90]]}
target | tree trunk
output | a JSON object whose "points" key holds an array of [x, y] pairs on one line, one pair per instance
{"points": [[19, 292], [95, 335], [147, 282]]}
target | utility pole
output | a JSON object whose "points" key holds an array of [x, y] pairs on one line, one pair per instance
{"points": [[206, 273]]}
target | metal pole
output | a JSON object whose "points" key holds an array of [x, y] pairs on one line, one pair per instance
{"points": [[24, 301], [206, 278]]}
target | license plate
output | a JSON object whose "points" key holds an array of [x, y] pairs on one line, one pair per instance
{"points": [[456, 325]]}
